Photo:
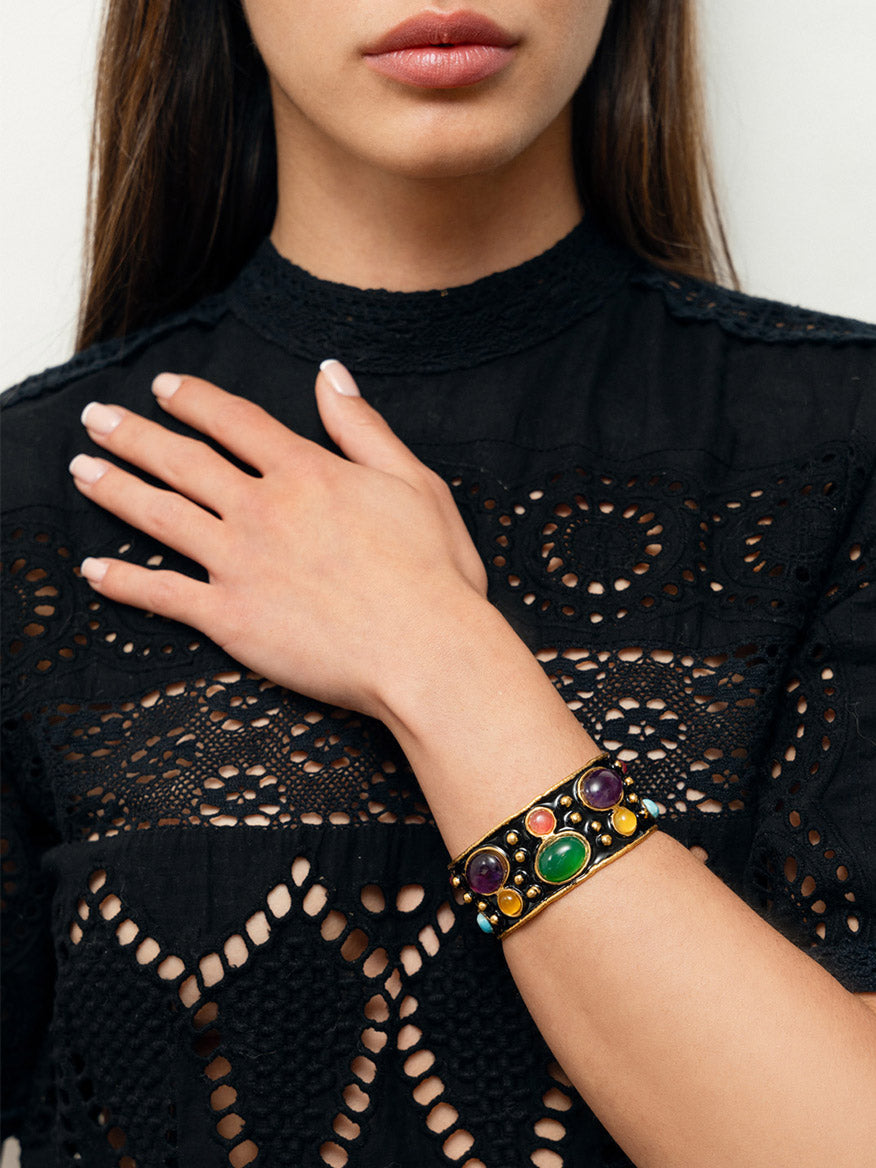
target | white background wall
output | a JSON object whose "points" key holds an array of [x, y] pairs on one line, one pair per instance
{"points": [[47, 52], [792, 98]]}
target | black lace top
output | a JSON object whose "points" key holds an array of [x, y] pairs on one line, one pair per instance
{"points": [[231, 938]]}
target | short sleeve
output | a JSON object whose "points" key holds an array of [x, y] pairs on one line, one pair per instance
{"points": [[27, 949], [812, 868]]}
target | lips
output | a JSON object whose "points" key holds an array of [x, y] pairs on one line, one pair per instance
{"points": [[442, 51], [431, 29]]}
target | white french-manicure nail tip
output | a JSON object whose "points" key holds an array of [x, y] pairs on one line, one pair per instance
{"points": [[100, 419], [339, 377], [93, 569], [165, 385], [86, 469]]}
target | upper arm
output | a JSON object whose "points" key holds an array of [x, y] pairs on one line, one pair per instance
{"points": [[812, 861], [27, 966], [868, 1000]]}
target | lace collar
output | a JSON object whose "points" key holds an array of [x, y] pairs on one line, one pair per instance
{"points": [[394, 332]]}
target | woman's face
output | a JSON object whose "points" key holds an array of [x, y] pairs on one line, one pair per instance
{"points": [[344, 82]]}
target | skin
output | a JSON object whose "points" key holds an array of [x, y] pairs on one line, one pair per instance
{"points": [[408, 188], [690, 1003]]}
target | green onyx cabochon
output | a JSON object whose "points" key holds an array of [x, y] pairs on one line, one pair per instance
{"points": [[562, 858]]}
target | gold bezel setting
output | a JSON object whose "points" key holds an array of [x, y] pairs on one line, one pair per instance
{"points": [[580, 787], [500, 856], [551, 842]]}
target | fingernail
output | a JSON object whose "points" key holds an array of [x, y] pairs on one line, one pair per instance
{"points": [[99, 418], [86, 468], [340, 378], [93, 570], [165, 385]]}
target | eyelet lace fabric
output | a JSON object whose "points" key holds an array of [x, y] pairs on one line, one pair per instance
{"points": [[230, 937]]}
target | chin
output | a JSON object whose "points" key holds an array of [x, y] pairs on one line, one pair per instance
{"points": [[437, 154], [444, 167]]}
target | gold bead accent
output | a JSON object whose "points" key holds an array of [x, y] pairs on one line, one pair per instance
{"points": [[575, 817], [605, 840], [596, 825], [482, 905], [494, 918], [520, 857], [519, 878], [628, 782], [455, 882], [532, 893], [511, 838], [467, 897], [632, 797], [566, 801]]}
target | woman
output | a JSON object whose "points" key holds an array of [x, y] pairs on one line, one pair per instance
{"points": [[563, 485]]}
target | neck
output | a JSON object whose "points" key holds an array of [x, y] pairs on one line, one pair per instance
{"points": [[345, 220]]}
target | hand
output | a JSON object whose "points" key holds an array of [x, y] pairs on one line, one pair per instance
{"points": [[325, 573]]}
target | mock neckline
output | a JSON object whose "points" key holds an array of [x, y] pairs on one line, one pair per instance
{"points": [[376, 331]]}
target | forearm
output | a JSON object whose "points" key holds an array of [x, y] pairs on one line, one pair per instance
{"points": [[696, 1032]]}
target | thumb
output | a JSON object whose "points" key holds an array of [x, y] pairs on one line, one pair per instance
{"points": [[355, 426]]}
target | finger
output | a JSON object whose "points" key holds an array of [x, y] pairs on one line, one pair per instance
{"points": [[365, 436], [357, 428], [166, 516], [186, 464], [168, 594], [242, 427]]}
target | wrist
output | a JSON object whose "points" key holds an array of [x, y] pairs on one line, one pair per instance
{"points": [[454, 640], [479, 721]]}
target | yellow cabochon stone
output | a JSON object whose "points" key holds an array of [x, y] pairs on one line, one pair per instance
{"points": [[510, 902], [623, 821]]}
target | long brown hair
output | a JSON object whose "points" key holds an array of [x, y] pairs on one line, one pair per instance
{"points": [[183, 178]]}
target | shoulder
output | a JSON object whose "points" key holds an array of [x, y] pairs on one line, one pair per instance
{"points": [[776, 379], [114, 354], [41, 431], [751, 318]]}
